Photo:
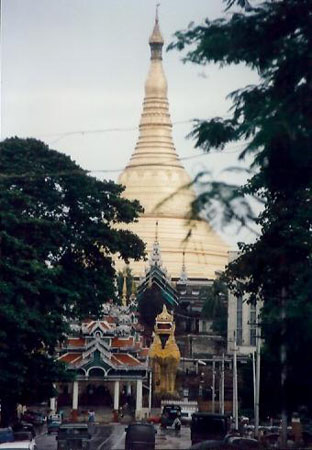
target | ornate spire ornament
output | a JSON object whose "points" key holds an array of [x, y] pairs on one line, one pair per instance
{"points": [[155, 257], [156, 41], [124, 289], [183, 276]]}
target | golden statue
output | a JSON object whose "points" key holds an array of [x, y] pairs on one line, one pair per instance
{"points": [[164, 355]]}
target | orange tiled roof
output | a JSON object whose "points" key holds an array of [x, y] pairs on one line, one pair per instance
{"points": [[129, 360], [106, 325], [115, 360], [119, 342], [103, 324], [110, 319], [76, 342], [70, 358]]}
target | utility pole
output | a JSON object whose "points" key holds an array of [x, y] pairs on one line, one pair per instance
{"points": [[258, 350], [150, 392], [213, 386], [222, 386], [254, 379], [235, 391]]}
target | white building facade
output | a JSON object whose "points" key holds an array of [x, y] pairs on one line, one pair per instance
{"points": [[242, 321]]}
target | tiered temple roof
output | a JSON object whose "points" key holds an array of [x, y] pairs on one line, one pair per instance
{"points": [[111, 343]]}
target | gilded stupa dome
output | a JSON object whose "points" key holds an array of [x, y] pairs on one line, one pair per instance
{"points": [[156, 177]]}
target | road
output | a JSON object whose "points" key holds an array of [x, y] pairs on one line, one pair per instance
{"points": [[112, 437]]}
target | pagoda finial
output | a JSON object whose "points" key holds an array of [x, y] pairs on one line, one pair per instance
{"points": [[183, 276], [124, 289], [156, 16], [155, 258], [156, 41]]}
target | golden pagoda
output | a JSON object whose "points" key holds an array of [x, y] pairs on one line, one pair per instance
{"points": [[154, 174]]}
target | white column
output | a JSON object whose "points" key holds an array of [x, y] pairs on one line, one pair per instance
{"points": [[53, 405], [53, 402], [150, 392], [128, 388], [116, 395], [138, 409], [75, 395]]}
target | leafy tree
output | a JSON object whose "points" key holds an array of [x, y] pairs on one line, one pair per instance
{"points": [[58, 232], [274, 118], [215, 306]]}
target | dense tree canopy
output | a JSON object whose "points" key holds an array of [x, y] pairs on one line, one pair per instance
{"points": [[58, 232], [214, 309], [274, 118]]}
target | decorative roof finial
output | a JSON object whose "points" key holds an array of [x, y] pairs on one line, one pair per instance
{"points": [[155, 258], [183, 276], [156, 40], [156, 231], [156, 17], [124, 289]]}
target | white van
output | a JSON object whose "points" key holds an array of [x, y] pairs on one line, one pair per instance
{"points": [[19, 445]]}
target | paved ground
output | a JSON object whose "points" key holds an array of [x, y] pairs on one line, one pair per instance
{"points": [[112, 437]]}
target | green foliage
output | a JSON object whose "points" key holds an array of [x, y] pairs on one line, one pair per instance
{"points": [[58, 232], [274, 119], [215, 306]]}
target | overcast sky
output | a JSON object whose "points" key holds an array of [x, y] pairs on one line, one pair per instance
{"points": [[80, 66]]}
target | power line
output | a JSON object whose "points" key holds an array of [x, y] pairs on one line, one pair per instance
{"points": [[102, 130], [79, 172], [62, 135]]}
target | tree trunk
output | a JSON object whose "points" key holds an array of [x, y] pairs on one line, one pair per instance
{"points": [[8, 411], [283, 371]]}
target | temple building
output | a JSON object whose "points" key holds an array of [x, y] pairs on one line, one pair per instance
{"points": [[156, 177], [108, 359]]}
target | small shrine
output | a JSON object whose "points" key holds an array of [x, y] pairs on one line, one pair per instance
{"points": [[108, 359]]}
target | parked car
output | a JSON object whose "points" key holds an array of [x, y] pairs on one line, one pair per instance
{"points": [[73, 436], [21, 425], [206, 426], [228, 443], [54, 418], [53, 427], [140, 436], [22, 436], [34, 417], [6, 435], [186, 417], [169, 414], [19, 445]]}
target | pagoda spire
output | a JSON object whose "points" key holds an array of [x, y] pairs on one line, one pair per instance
{"points": [[183, 276], [155, 257], [154, 147], [156, 41], [124, 289]]}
